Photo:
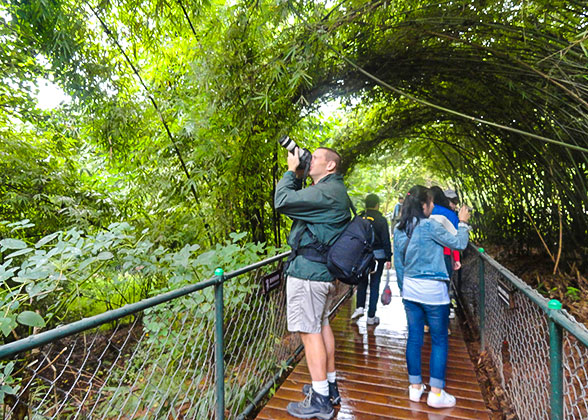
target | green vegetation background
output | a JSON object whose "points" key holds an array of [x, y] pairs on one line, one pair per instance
{"points": [[163, 164]]}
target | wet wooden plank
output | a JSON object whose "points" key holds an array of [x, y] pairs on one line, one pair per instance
{"points": [[361, 410], [461, 366], [395, 370], [377, 403], [349, 340], [372, 376], [296, 380], [399, 377], [455, 356], [361, 392]]}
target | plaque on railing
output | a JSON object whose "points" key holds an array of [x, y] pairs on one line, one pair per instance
{"points": [[506, 292], [272, 280]]}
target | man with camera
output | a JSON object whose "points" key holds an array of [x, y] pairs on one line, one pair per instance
{"points": [[319, 214]]}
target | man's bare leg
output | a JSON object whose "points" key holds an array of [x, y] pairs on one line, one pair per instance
{"points": [[329, 342], [316, 355], [317, 403]]}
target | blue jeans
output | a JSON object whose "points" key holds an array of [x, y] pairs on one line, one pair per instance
{"points": [[437, 317], [374, 289]]}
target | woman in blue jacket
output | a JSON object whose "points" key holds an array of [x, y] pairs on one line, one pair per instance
{"points": [[423, 281]]}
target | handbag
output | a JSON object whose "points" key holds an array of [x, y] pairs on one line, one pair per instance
{"points": [[386, 297]]}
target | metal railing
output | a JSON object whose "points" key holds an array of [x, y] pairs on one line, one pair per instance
{"points": [[209, 350], [539, 350]]}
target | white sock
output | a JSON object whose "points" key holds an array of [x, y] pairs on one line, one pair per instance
{"points": [[321, 387], [332, 376]]}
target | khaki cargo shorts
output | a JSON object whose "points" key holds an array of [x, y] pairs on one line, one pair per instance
{"points": [[308, 304]]}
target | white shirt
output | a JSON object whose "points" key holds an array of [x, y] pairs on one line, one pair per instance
{"points": [[429, 292]]}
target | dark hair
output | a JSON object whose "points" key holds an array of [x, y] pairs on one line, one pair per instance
{"points": [[332, 156], [371, 201], [401, 197], [439, 197], [413, 207]]}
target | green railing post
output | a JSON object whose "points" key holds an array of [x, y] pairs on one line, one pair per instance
{"points": [[220, 345], [482, 298], [555, 362]]}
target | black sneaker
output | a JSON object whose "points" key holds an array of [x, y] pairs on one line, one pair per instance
{"points": [[333, 392], [314, 405]]}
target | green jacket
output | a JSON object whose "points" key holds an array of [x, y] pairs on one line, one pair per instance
{"points": [[324, 207]]}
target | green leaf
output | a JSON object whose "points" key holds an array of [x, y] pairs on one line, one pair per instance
{"points": [[8, 368], [46, 239], [35, 289], [105, 255], [7, 325], [19, 252], [8, 273], [86, 263], [10, 243], [7, 389], [31, 319], [36, 274], [237, 236]]}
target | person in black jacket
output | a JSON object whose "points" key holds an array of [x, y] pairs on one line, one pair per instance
{"points": [[382, 254]]}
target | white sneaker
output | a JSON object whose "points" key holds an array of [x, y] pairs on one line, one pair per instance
{"points": [[414, 394], [441, 400], [373, 321], [358, 313]]}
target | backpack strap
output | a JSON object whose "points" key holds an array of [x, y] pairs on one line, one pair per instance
{"points": [[314, 251], [351, 206]]}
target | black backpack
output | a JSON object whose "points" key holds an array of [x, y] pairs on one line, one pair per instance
{"points": [[350, 257]]}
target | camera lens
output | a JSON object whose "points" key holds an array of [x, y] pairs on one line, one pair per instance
{"points": [[287, 143], [303, 154]]}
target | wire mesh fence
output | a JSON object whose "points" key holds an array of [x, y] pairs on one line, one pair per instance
{"points": [[154, 364], [158, 363], [575, 361], [514, 331]]}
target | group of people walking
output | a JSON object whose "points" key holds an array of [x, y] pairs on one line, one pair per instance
{"points": [[319, 214]]}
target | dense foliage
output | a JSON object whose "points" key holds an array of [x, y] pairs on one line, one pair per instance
{"points": [[176, 107], [518, 66]]}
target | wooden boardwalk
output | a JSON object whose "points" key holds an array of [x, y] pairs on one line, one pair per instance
{"points": [[372, 376]]}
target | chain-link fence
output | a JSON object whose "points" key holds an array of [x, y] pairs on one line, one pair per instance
{"points": [[540, 352], [159, 362]]}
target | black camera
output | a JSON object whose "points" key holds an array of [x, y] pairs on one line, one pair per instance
{"points": [[303, 154]]}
